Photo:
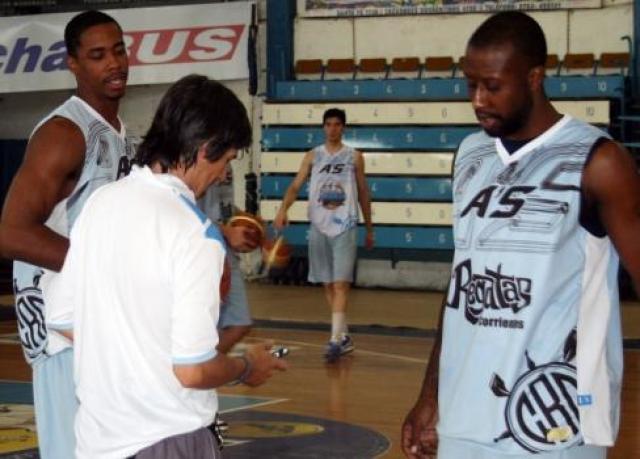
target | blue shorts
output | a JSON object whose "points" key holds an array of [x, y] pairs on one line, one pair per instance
{"points": [[235, 310], [55, 405], [449, 448], [332, 259]]}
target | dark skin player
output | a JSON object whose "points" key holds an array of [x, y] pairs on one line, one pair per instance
{"points": [[507, 95], [56, 152]]}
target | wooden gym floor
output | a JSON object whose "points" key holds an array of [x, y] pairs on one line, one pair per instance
{"points": [[315, 409]]}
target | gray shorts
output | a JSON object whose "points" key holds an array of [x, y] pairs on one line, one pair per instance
{"points": [[332, 259], [457, 449], [234, 311], [199, 444]]}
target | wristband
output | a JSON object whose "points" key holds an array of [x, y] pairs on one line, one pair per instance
{"points": [[245, 373]]}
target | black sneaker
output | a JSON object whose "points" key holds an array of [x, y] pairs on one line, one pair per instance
{"points": [[346, 345], [333, 352]]}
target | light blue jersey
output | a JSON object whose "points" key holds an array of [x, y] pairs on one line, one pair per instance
{"points": [[532, 350], [107, 157], [333, 194]]}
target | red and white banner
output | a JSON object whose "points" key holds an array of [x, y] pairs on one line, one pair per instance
{"points": [[164, 44]]}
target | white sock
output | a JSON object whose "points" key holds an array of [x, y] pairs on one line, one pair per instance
{"points": [[338, 325]]}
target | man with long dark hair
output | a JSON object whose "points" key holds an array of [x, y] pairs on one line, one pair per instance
{"points": [[139, 293]]}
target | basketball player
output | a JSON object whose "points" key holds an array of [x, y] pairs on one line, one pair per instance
{"points": [[145, 266], [235, 318], [337, 185], [74, 150], [528, 362]]}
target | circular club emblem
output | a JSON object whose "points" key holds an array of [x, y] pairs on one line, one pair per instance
{"points": [[541, 412], [31, 325]]}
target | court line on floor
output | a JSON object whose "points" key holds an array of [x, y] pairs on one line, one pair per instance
{"points": [[359, 350], [255, 405]]}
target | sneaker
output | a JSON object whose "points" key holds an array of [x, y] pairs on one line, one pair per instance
{"points": [[333, 352], [221, 425], [346, 345]]}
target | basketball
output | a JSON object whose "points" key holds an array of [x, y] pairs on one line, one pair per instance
{"points": [[276, 253], [250, 221], [225, 281]]}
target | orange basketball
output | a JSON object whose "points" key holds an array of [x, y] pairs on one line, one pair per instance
{"points": [[276, 253], [225, 281], [250, 221]]}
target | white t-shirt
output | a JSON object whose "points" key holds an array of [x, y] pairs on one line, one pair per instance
{"points": [[140, 289]]}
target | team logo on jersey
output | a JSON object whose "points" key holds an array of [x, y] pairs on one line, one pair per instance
{"points": [[541, 413], [332, 168], [491, 290], [31, 323], [332, 195]]}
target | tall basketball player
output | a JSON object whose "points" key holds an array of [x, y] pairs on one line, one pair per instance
{"points": [[74, 150], [528, 361], [336, 187]]}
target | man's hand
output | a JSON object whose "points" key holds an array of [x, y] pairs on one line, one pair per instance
{"points": [[241, 238], [369, 239], [263, 364], [281, 220], [419, 436]]}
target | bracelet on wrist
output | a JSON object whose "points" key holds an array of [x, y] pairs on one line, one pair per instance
{"points": [[245, 373]]}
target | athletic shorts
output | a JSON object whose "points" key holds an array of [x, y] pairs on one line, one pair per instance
{"points": [[234, 311], [199, 444], [332, 259], [55, 405], [457, 449]]}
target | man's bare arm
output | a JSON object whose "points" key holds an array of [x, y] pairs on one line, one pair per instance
{"points": [[54, 157], [611, 181], [364, 198], [292, 192], [254, 369], [418, 436]]}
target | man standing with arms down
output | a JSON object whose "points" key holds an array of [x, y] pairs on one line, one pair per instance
{"points": [[528, 361], [73, 151], [337, 185], [145, 266]]}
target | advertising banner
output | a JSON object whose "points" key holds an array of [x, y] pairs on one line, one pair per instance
{"points": [[163, 44]]}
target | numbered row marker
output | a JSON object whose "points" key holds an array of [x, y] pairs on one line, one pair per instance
{"points": [[395, 213], [396, 163], [438, 113]]}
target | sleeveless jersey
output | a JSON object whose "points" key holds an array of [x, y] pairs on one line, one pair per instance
{"points": [[107, 157], [217, 202], [531, 360], [333, 194]]}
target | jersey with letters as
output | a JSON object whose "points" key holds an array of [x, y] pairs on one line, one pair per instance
{"points": [[333, 193], [107, 158], [531, 359]]}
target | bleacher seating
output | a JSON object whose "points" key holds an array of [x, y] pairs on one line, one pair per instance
{"points": [[582, 64], [408, 118], [372, 68], [309, 69], [438, 67], [404, 67], [340, 69], [613, 63]]}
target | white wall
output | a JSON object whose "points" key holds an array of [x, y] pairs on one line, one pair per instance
{"points": [[597, 31], [587, 30]]}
